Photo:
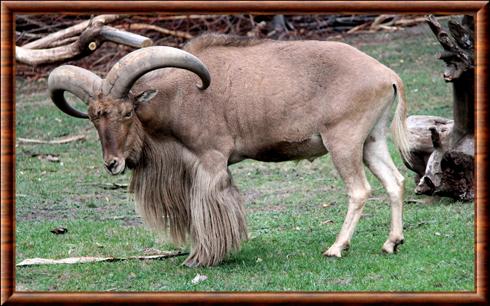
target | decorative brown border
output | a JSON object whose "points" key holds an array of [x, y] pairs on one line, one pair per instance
{"points": [[9, 8]]}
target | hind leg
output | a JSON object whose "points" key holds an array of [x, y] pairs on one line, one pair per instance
{"points": [[347, 158], [378, 160]]}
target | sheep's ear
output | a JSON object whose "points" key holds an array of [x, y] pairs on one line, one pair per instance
{"points": [[146, 96]]}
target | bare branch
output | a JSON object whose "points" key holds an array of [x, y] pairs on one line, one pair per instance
{"points": [[64, 42], [46, 42], [56, 141], [90, 39], [143, 26], [125, 38]]}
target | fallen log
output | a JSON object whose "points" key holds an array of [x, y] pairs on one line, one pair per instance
{"points": [[91, 38], [449, 171], [420, 140], [442, 168], [74, 30]]}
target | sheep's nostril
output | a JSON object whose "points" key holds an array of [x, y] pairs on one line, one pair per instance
{"points": [[111, 165]]}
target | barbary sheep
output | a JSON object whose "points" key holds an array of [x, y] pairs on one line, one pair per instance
{"points": [[268, 100]]}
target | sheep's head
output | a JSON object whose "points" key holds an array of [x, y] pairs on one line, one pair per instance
{"points": [[111, 105]]}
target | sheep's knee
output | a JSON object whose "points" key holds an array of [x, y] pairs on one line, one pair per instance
{"points": [[359, 196]]}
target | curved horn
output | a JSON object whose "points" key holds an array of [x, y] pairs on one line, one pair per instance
{"points": [[130, 68], [80, 82]]}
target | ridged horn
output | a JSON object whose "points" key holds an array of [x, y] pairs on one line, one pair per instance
{"points": [[131, 67], [80, 82]]}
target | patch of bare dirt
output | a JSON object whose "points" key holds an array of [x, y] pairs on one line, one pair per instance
{"points": [[95, 207]]}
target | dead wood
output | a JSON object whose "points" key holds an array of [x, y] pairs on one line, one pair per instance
{"points": [[47, 41], [388, 23], [142, 26], [458, 47], [406, 22], [177, 30], [86, 259], [442, 168], [63, 42], [420, 138], [180, 17], [449, 171], [125, 38], [93, 33], [442, 149], [56, 141]]}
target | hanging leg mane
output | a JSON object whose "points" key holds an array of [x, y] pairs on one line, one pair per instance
{"points": [[176, 195]]}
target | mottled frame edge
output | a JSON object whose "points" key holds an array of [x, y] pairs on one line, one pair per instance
{"points": [[480, 9]]}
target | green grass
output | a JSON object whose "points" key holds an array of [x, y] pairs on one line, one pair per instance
{"points": [[287, 205]]}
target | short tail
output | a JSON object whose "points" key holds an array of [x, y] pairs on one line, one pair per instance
{"points": [[398, 125]]}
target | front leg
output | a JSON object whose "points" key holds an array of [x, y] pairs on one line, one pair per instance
{"points": [[217, 216]]}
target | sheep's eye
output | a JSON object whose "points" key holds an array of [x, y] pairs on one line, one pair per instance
{"points": [[128, 114]]}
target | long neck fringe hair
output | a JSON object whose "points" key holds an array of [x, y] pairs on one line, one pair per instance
{"points": [[175, 195]]}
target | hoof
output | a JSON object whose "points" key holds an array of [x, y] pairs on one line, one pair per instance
{"points": [[190, 264], [334, 251], [390, 247]]}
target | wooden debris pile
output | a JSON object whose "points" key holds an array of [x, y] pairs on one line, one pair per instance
{"points": [[45, 41], [443, 150]]}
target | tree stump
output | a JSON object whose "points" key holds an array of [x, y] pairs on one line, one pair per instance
{"points": [[420, 140], [443, 149], [443, 168]]}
